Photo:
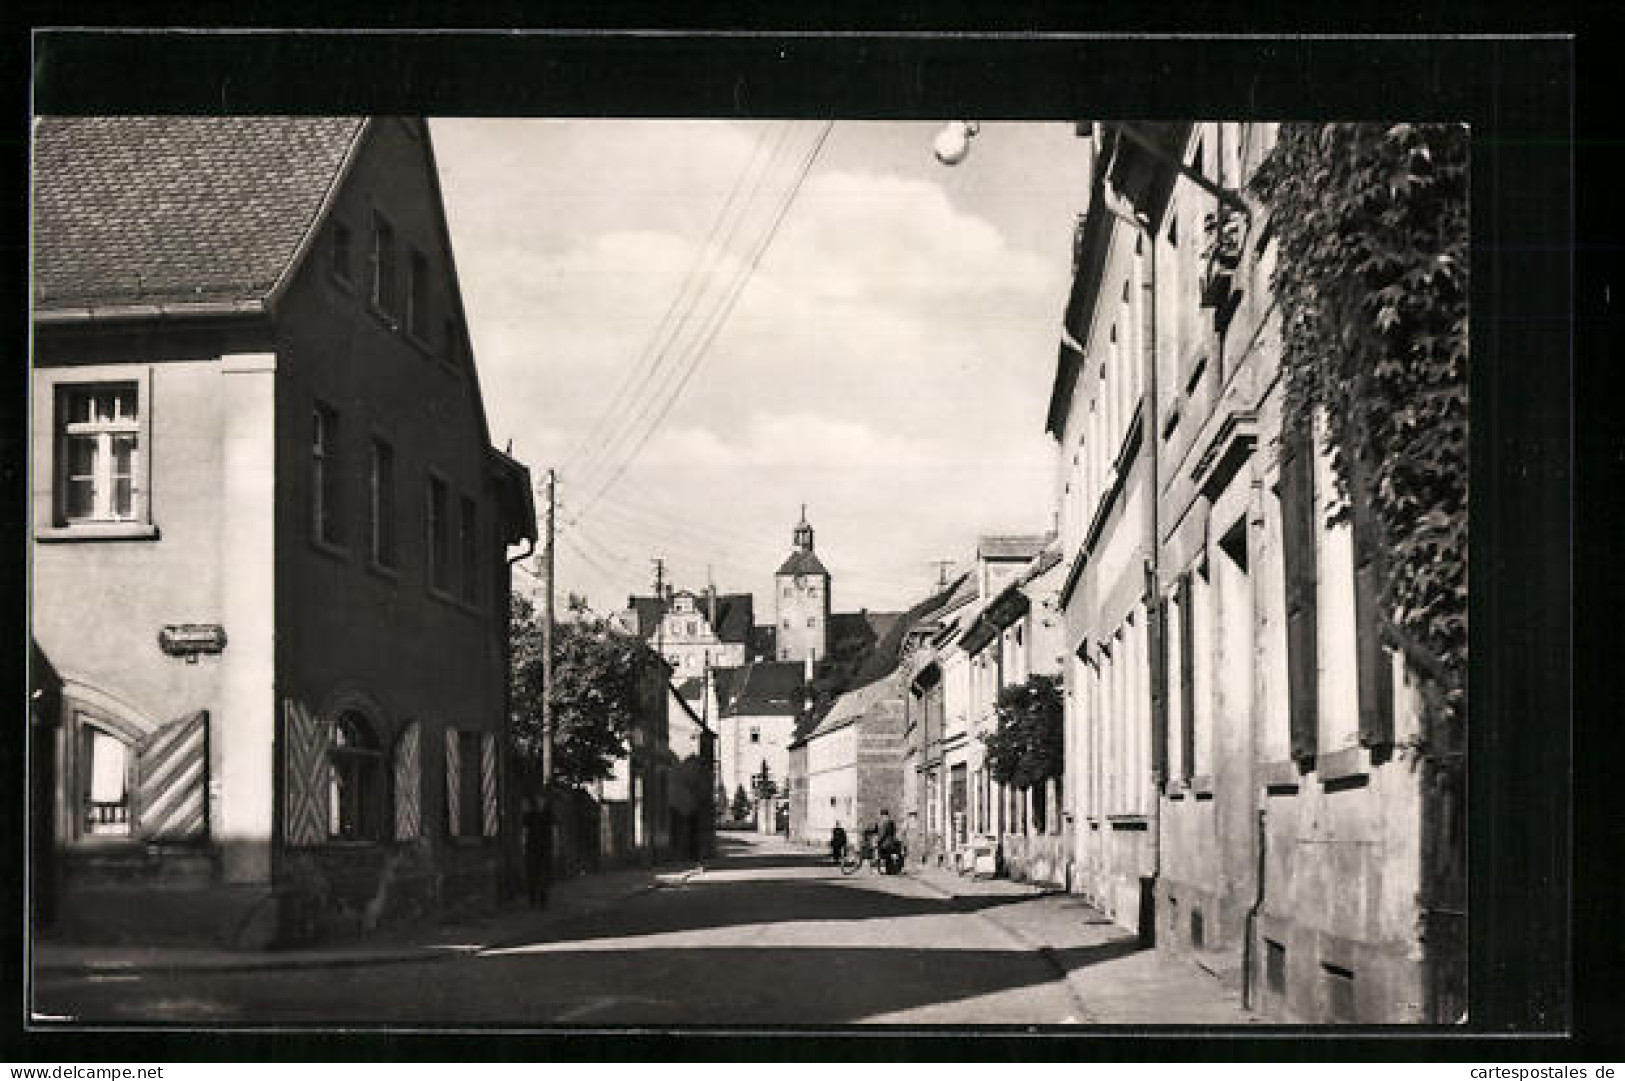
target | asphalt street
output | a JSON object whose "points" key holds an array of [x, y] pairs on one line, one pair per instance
{"points": [[767, 935]]}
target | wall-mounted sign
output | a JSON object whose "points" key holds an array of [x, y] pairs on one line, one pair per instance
{"points": [[190, 639]]}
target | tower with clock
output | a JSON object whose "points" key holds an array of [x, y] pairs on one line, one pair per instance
{"points": [[801, 600]]}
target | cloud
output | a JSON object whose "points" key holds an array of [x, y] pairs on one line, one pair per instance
{"points": [[888, 362]]}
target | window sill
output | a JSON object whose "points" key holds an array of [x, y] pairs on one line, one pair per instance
{"points": [[1343, 769], [331, 550], [1202, 786], [96, 531], [1279, 778], [451, 600], [384, 571]]}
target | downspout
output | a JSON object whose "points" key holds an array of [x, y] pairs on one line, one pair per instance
{"points": [[514, 853], [1247, 947]]}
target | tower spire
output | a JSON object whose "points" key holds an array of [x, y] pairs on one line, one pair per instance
{"points": [[803, 534]]}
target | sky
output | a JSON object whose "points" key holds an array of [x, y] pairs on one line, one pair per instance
{"points": [[703, 325]]}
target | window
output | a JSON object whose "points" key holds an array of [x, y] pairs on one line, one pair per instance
{"points": [[470, 822], [105, 767], [437, 540], [384, 285], [755, 734], [324, 474], [355, 779], [417, 296], [341, 252], [812, 621], [468, 544], [99, 462], [381, 503]]}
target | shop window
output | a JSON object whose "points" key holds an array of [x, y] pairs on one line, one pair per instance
{"points": [[1339, 994]]}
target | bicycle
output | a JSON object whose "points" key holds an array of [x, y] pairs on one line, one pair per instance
{"points": [[857, 856]]}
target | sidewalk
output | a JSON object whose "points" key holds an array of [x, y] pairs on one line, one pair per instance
{"points": [[512, 923], [1114, 981]]}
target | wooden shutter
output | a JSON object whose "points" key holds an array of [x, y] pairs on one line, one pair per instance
{"points": [[453, 783], [408, 784], [1374, 669], [1187, 679], [488, 783], [172, 766], [1157, 629], [1299, 533], [305, 775]]}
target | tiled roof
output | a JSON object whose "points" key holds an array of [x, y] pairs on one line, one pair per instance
{"points": [[766, 688], [854, 705], [736, 617], [736, 614], [180, 209], [802, 563]]}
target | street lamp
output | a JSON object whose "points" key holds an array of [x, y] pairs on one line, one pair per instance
{"points": [[953, 141]]}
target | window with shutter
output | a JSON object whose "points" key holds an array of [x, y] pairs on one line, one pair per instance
{"points": [[408, 783], [1298, 531], [1373, 666], [305, 775], [1187, 679], [488, 784], [173, 775], [1157, 629], [453, 783]]}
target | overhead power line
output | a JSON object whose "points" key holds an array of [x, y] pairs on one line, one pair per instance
{"points": [[698, 350], [707, 254]]}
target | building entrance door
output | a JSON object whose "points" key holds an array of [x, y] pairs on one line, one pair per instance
{"points": [[958, 799]]}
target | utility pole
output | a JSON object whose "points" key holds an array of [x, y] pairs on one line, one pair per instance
{"points": [[660, 604], [550, 495]]}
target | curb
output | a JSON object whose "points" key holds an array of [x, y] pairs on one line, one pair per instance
{"points": [[419, 953], [1043, 950]]}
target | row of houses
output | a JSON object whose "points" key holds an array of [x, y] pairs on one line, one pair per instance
{"points": [[1235, 785], [271, 549]]}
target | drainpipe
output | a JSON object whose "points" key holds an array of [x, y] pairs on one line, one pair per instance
{"points": [[1247, 947], [512, 874]]}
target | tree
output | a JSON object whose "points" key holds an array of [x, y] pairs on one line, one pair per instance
{"points": [[762, 785], [720, 801], [1029, 745], [1372, 280], [595, 700], [742, 805]]}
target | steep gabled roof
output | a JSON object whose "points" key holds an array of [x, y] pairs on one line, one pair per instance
{"points": [[736, 617], [159, 212], [802, 563]]}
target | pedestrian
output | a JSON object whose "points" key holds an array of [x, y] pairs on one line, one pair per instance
{"points": [[889, 860], [837, 844], [538, 850]]}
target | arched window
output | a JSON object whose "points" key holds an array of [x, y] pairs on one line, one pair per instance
{"points": [[355, 807], [106, 765]]}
